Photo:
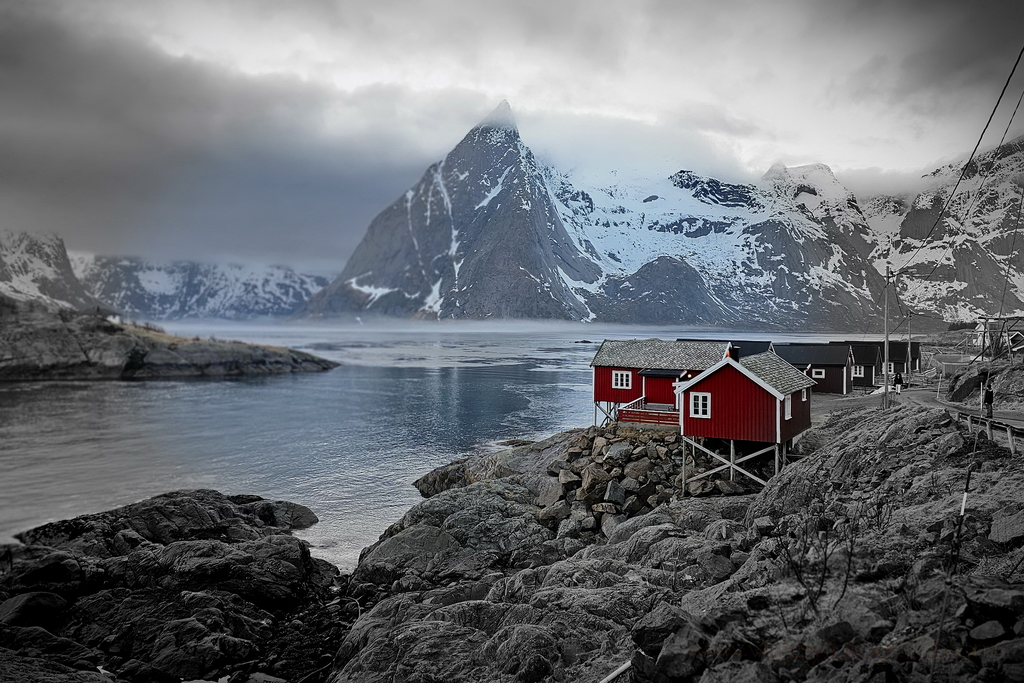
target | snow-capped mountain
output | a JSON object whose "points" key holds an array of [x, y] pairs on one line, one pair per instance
{"points": [[968, 263], [36, 268], [186, 289], [490, 232], [478, 236]]}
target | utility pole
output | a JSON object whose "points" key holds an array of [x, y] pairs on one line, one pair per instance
{"points": [[910, 346], [885, 362]]}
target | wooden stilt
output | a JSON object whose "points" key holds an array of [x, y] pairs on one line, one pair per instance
{"points": [[732, 460], [776, 458], [686, 452]]}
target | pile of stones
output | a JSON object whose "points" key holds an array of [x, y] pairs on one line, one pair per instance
{"points": [[613, 473]]}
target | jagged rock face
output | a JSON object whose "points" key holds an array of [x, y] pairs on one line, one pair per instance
{"points": [[36, 268], [958, 263], [489, 233], [477, 237], [186, 289]]}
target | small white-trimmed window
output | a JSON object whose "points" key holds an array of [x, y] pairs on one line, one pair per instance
{"points": [[789, 406], [858, 370], [817, 373], [803, 395], [700, 404], [622, 379]]}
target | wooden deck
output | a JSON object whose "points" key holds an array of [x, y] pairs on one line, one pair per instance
{"points": [[641, 412]]}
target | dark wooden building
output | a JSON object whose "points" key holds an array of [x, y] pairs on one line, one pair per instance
{"points": [[901, 357], [830, 365]]}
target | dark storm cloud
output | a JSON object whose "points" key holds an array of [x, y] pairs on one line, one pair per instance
{"points": [[119, 148], [275, 131], [931, 55]]}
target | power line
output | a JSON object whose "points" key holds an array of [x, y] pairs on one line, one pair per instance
{"points": [[963, 171]]}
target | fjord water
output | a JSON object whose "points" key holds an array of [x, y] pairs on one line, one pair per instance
{"points": [[347, 443]]}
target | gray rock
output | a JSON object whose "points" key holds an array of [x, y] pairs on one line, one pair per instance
{"points": [[638, 469], [556, 511], [568, 477], [614, 493], [34, 609], [1007, 528]]}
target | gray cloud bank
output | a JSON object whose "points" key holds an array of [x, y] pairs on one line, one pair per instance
{"points": [[274, 132]]}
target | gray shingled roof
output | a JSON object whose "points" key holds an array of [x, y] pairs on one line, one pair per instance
{"points": [[659, 354], [777, 372]]}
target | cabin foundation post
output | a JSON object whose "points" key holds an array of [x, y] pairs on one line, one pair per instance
{"points": [[1009, 437], [776, 459], [988, 429], [732, 460], [682, 470]]}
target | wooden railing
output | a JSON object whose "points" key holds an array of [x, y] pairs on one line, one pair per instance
{"points": [[1012, 432], [638, 412]]}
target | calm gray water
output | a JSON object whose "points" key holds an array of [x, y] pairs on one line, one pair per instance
{"points": [[347, 443]]}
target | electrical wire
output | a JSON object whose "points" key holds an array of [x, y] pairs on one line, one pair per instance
{"points": [[963, 171]]}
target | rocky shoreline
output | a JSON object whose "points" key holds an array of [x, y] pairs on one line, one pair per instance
{"points": [[186, 585], [852, 565], [37, 343], [562, 560]]}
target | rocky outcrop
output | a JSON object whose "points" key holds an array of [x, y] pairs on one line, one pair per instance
{"points": [[40, 343], [1007, 382], [188, 585], [852, 564]]}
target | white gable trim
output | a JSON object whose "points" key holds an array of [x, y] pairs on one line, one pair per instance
{"points": [[778, 421], [680, 387]]}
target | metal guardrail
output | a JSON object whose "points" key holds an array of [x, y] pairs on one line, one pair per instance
{"points": [[991, 426]]}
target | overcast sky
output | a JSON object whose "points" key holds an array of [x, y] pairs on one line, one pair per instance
{"points": [[274, 130]]}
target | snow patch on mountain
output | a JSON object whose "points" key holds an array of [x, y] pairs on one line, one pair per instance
{"points": [[36, 268], [187, 289]]}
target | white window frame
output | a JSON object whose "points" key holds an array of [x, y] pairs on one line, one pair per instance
{"points": [[803, 395], [788, 406], [700, 404], [622, 379], [858, 370], [817, 373]]}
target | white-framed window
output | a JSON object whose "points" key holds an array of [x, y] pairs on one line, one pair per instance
{"points": [[700, 404], [803, 395], [858, 370], [622, 379], [788, 403], [817, 373]]}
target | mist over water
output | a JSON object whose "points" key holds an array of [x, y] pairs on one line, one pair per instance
{"points": [[347, 443]]}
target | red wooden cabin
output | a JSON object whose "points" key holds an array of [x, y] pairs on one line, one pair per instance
{"points": [[634, 379], [761, 401]]}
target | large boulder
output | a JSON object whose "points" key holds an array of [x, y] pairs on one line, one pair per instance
{"points": [[190, 584]]}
